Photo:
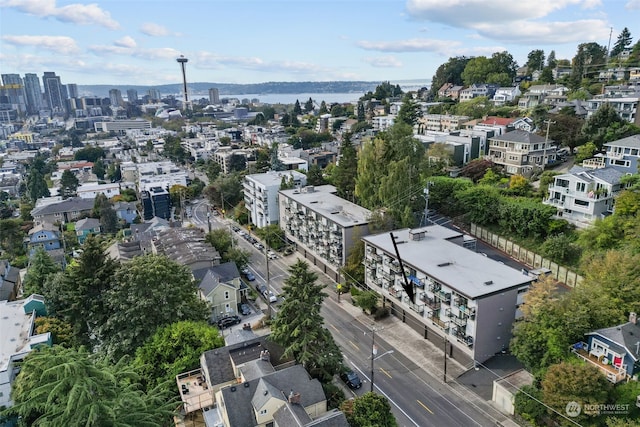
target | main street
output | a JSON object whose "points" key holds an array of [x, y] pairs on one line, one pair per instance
{"points": [[417, 397]]}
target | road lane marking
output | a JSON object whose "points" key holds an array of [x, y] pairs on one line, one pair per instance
{"points": [[386, 373], [425, 407], [334, 327], [354, 345]]}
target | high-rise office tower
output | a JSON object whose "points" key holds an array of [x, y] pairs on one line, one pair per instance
{"points": [[214, 95], [154, 94], [115, 96], [54, 92], [132, 96], [12, 92], [72, 90], [33, 92]]}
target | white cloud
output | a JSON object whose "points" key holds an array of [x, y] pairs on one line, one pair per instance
{"points": [[59, 44], [165, 53], [125, 41], [383, 62], [476, 50], [551, 32], [410, 45], [155, 30], [633, 5], [76, 13]]}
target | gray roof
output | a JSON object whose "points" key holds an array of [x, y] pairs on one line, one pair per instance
{"points": [[240, 399], [87, 224], [609, 175], [74, 204], [461, 269], [271, 178], [334, 418], [323, 200], [630, 141], [626, 337], [119, 206], [226, 272], [520, 136], [209, 282], [219, 360]]}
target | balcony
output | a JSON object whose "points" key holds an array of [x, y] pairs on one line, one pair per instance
{"points": [[418, 308], [435, 287], [390, 276], [432, 303], [444, 297], [614, 374], [435, 319], [468, 311], [462, 337]]}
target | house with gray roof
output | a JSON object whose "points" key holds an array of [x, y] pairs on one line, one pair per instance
{"points": [[615, 351], [186, 246], [9, 281], [458, 294], [623, 154], [520, 152], [62, 212], [583, 195], [222, 288], [323, 226], [86, 227]]}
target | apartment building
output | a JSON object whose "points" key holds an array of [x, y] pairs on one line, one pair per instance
{"points": [[625, 106], [121, 126], [323, 226], [459, 295], [441, 122], [520, 152], [261, 194], [584, 195]]}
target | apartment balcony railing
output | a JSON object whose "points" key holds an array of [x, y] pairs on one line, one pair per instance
{"points": [[435, 319], [432, 303], [418, 308], [462, 337], [444, 297], [468, 311]]}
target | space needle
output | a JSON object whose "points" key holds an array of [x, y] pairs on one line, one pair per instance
{"points": [[183, 63]]}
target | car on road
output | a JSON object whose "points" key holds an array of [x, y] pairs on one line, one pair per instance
{"points": [[250, 277], [270, 296], [245, 310], [272, 255], [351, 379], [225, 322], [235, 228], [258, 246]]}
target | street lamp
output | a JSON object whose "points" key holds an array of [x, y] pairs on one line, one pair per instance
{"points": [[209, 221], [374, 353]]}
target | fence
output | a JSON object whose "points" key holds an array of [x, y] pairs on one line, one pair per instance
{"points": [[532, 259]]}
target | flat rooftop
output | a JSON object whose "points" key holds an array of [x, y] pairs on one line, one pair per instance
{"points": [[272, 178], [16, 331], [461, 269], [323, 200]]}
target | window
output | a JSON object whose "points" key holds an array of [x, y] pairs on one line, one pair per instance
{"points": [[580, 186], [226, 294], [581, 202], [263, 412]]}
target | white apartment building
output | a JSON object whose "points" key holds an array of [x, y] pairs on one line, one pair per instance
{"points": [[323, 226], [460, 295], [382, 123], [583, 195], [440, 122], [122, 126], [625, 106], [261, 194], [90, 191]]}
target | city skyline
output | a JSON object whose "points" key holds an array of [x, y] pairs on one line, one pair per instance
{"points": [[137, 43]]}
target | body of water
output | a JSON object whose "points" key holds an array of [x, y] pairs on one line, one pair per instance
{"points": [[290, 98]]}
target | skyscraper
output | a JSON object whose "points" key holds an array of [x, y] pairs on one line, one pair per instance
{"points": [[12, 92], [214, 95], [33, 92], [115, 96], [132, 96], [72, 89], [54, 92]]}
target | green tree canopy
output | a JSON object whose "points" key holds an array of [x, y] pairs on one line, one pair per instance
{"points": [[68, 184], [41, 267], [624, 41], [449, 72], [369, 410], [345, 172]]}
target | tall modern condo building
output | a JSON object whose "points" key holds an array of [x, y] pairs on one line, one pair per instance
{"points": [[115, 96], [12, 92], [214, 96], [132, 96], [33, 92], [54, 92]]}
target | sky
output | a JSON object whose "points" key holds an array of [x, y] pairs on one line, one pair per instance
{"points": [[137, 42]]}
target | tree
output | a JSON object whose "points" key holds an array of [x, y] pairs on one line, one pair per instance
{"points": [[477, 70], [589, 59], [174, 349], [535, 60], [624, 40], [315, 175], [297, 109], [11, 237], [162, 293], [69, 387], [586, 151], [323, 108], [567, 129], [174, 150], [596, 126], [98, 169], [298, 328], [272, 234], [221, 239], [527, 404], [36, 185], [90, 153], [345, 172], [360, 112], [369, 410], [367, 300], [353, 270], [410, 111], [237, 163], [308, 106], [569, 382], [476, 169], [68, 184], [61, 331], [551, 60], [114, 173], [40, 268], [477, 107], [449, 72], [561, 248]]}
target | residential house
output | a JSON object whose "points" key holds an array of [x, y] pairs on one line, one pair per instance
{"points": [[155, 202], [86, 227], [90, 191], [499, 125], [470, 300], [44, 236], [476, 90], [442, 92], [321, 157], [537, 94], [625, 106], [576, 105], [583, 195], [623, 154], [261, 194], [634, 74], [18, 338], [461, 149], [10, 281], [520, 152], [440, 123], [523, 123], [323, 226], [58, 211], [505, 95], [615, 351], [382, 123], [249, 384], [454, 92], [126, 211], [618, 73], [222, 288], [186, 246]]}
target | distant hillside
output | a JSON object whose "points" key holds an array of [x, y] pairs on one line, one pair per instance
{"points": [[202, 89]]}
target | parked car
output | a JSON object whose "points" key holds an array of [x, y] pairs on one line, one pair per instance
{"points": [[235, 228], [225, 322], [272, 255], [351, 379], [250, 277], [269, 295], [258, 246], [245, 310]]}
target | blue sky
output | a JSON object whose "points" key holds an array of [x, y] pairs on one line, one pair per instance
{"points": [[240, 41]]}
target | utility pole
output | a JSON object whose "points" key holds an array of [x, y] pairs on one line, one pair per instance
{"points": [[546, 141], [425, 215], [374, 352], [266, 254], [445, 357], [209, 221]]}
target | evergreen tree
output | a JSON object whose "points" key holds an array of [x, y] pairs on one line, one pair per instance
{"points": [[323, 108], [551, 60], [315, 176], [624, 41], [308, 106], [297, 110], [535, 60], [345, 172], [299, 326], [40, 268], [98, 169], [68, 184], [361, 114], [410, 111]]}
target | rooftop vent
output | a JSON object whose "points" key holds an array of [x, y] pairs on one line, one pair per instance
{"points": [[246, 385], [416, 235], [233, 389], [445, 264], [489, 282]]}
